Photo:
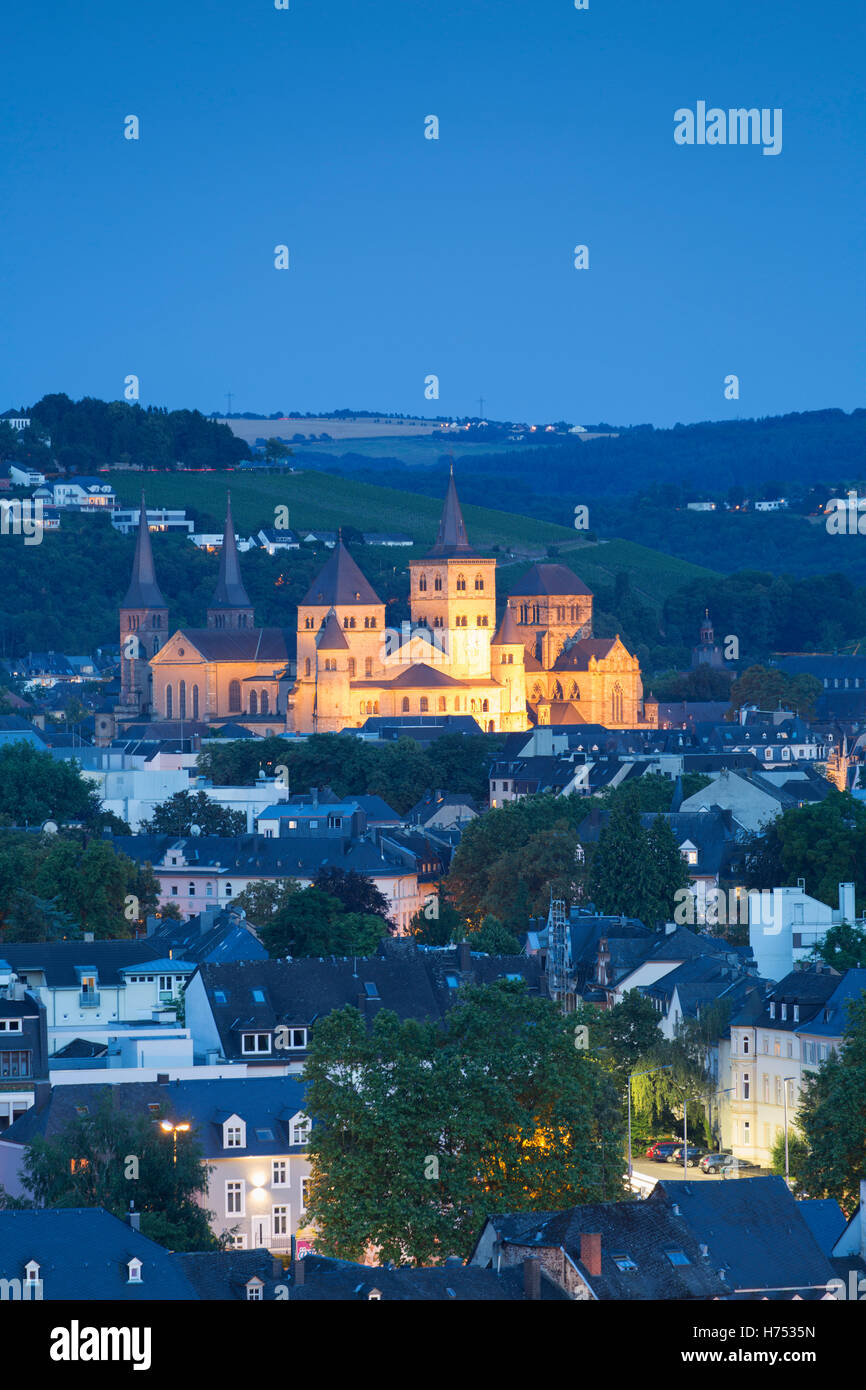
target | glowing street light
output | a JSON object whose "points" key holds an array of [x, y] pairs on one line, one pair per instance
{"points": [[173, 1130]]}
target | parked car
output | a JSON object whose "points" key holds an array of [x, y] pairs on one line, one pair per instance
{"points": [[660, 1152], [740, 1165], [713, 1163], [693, 1156]]}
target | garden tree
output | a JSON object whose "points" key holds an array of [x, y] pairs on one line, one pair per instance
{"points": [[652, 792], [843, 947], [768, 688], [832, 1117], [313, 923], [422, 1129], [634, 871], [494, 939], [438, 923], [57, 884], [798, 1151], [622, 1035], [486, 870], [88, 1164], [461, 763], [30, 918], [823, 842], [355, 891], [179, 812], [522, 880], [35, 787], [703, 683], [262, 899], [678, 1070]]}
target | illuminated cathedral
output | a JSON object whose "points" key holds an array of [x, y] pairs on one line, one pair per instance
{"points": [[540, 666]]}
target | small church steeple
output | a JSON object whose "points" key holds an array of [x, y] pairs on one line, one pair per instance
{"points": [[451, 540], [230, 605], [143, 624]]}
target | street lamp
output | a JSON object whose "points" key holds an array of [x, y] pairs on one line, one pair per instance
{"points": [[173, 1130], [651, 1072], [785, 1081]]}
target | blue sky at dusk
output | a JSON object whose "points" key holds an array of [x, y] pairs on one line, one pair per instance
{"points": [[412, 256]]}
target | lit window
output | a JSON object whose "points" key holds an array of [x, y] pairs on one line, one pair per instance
{"points": [[279, 1173]]}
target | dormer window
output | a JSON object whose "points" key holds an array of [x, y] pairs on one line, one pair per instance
{"points": [[772, 1008], [796, 1008], [374, 1296], [255, 1290], [133, 1272], [234, 1133], [31, 1273], [784, 1013], [256, 1043], [299, 1128]]}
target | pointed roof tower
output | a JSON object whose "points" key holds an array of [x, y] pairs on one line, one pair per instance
{"points": [[143, 591], [330, 637], [451, 541], [340, 581], [229, 591], [507, 635]]}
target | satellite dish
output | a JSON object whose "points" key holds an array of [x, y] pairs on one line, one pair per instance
{"points": [[50, 827], [195, 830]]}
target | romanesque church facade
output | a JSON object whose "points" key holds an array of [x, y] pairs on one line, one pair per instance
{"points": [[542, 664]]}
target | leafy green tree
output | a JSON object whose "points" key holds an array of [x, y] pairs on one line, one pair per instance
{"points": [[798, 1151], [31, 918], [313, 923], [35, 787], [494, 939], [823, 842], [355, 891], [832, 1117], [635, 871], [61, 885], [262, 899], [438, 923], [422, 1130], [843, 947], [622, 1035], [768, 688], [88, 1165], [179, 812], [276, 451]]}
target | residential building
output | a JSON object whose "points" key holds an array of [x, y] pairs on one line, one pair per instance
{"points": [[786, 924]]}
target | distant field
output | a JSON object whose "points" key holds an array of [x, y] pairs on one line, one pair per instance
{"points": [[324, 502], [339, 430], [423, 450]]}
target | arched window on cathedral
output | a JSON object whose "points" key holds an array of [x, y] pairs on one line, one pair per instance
{"points": [[405, 704], [308, 622], [168, 702], [556, 694], [441, 704], [265, 703], [254, 702], [490, 726], [485, 706], [155, 645], [536, 693], [424, 704], [616, 704], [376, 707], [195, 702], [181, 700], [461, 581], [524, 613], [473, 705], [368, 666], [574, 691], [422, 583], [307, 667], [437, 582], [352, 667], [234, 697], [479, 582]]}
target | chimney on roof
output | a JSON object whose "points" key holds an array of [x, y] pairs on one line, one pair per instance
{"points": [[532, 1278], [41, 1094], [846, 902], [277, 1270], [464, 957], [134, 1217], [590, 1253], [360, 1001]]}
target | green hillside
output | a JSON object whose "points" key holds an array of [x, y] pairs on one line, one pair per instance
{"points": [[324, 501]]}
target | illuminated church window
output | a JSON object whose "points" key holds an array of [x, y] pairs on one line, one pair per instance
{"points": [[307, 667], [461, 581], [442, 703], [479, 582], [405, 704], [265, 703], [234, 697], [437, 582], [368, 666], [168, 702], [422, 583], [195, 702], [254, 702]]}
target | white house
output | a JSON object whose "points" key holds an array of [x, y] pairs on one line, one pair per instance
{"points": [[786, 924]]}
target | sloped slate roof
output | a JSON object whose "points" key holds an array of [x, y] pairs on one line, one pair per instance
{"points": [[340, 581], [143, 591], [243, 644], [755, 1231], [451, 539], [330, 637], [508, 633], [549, 580], [229, 591], [332, 1280], [58, 959], [83, 1253], [578, 656]]}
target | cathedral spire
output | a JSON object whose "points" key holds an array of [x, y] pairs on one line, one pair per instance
{"points": [[451, 536], [143, 591], [230, 605]]}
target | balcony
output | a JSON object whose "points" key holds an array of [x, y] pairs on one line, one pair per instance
{"points": [[277, 1243], [88, 999]]}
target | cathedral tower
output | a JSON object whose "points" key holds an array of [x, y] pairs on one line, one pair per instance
{"points": [[143, 627], [453, 592], [230, 607]]}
